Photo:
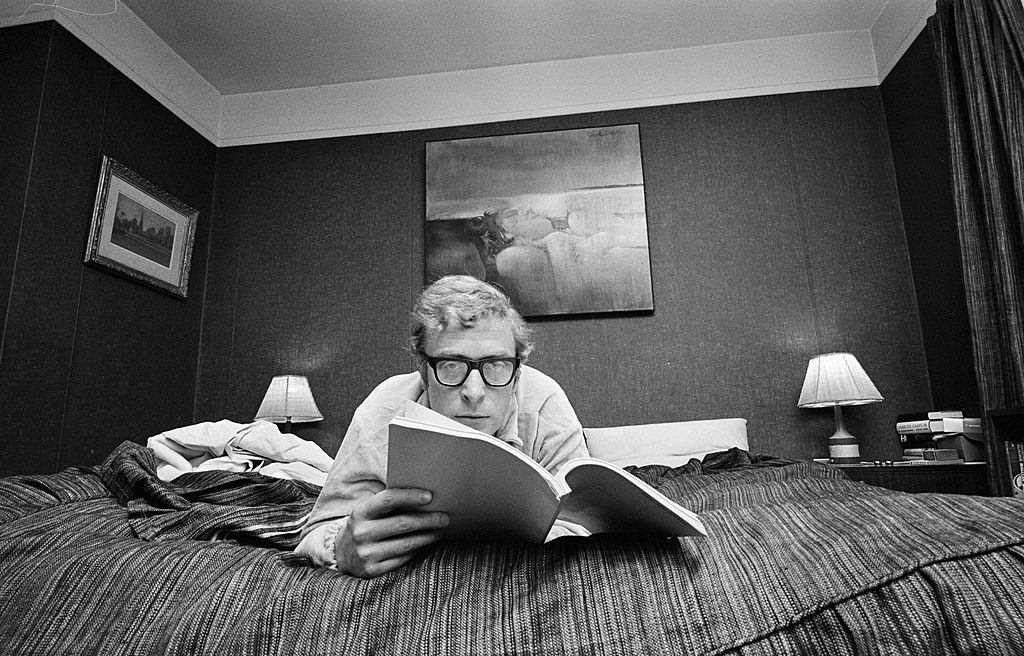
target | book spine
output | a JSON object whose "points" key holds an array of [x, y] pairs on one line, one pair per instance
{"points": [[931, 414], [916, 438], [941, 454], [947, 425], [919, 426], [962, 425], [930, 454], [943, 414]]}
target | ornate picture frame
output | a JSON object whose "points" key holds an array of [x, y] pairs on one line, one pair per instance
{"points": [[141, 231]]}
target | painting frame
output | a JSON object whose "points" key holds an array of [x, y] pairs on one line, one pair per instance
{"points": [[140, 231], [556, 218]]}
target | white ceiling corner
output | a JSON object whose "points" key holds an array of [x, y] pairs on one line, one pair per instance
{"points": [[244, 72], [900, 22]]}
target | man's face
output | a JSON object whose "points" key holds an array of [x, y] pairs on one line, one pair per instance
{"points": [[472, 403]]}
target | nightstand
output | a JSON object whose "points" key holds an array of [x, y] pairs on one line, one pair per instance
{"points": [[958, 478]]}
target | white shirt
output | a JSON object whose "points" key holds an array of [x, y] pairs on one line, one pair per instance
{"points": [[541, 423]]}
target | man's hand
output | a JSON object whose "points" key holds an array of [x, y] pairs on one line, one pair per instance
{"points": [[385, 531]]}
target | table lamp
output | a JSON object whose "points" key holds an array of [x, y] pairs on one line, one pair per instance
{"points": [[837, 379], [289, 399]]}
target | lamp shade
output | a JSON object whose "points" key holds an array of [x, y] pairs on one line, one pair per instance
{"points": [[289, 399], [835, 379]]}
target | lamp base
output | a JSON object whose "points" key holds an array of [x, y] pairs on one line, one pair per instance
{"points": [[842, 447]]}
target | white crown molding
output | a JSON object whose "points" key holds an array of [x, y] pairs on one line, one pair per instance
{"points": [[750, 68], [895, 30]]}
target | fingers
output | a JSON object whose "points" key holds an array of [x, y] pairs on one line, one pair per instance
{"points": [[388, 556], [392, 527], [373, 570], [385, 530], [392, 500], [407, 544], [369, 558]]}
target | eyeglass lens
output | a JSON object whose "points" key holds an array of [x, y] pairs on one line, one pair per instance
{"points": [[495, 373]]}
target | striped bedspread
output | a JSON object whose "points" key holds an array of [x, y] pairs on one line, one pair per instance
{"points": [[111, 560]]}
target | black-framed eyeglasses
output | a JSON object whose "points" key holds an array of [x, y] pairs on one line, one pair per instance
{"points": [[452, 371]]}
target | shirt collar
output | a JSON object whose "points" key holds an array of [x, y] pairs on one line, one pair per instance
{"points": [[509, 431]]}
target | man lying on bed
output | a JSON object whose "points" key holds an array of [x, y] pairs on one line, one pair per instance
{"points": [[471, 345]]}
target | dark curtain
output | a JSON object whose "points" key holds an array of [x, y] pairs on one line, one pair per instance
{"points": [[979, 48]]}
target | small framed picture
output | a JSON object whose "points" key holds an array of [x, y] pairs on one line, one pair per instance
{"points": [[141, 231]]}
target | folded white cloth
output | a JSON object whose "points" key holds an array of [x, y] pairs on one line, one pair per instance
{"points": [[227, 445]]}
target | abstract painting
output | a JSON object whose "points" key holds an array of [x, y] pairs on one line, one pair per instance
{"points": [[556, 219]]}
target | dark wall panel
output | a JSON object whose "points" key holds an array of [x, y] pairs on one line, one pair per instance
{"points": [[90, 358], [311, 259], [132, 332], [730, 288], [23, 56], [857, 266], [41, 323], [227, 248], [775, 235], [916, 121]]}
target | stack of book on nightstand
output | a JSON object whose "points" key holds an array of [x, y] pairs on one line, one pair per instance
{"points": [[945, 431]]}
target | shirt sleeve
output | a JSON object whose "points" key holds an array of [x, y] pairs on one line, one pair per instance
{"points": [[318, 544], [358, 472]]}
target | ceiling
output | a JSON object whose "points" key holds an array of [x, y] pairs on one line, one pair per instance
{"points": [[242, 46], [256, 71]]}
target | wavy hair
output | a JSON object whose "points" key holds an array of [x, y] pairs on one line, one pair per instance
{"points": [[465, 301]]}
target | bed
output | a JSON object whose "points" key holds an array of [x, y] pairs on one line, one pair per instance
{"points": [[798, 559]]}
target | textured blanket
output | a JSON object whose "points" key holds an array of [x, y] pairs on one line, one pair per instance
{"points": [[112, 560]]}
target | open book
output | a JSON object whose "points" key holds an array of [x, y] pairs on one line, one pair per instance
{"points": [[491, 490]]}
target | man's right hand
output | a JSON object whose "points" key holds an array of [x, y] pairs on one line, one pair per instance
{"points": [[385, 530]]}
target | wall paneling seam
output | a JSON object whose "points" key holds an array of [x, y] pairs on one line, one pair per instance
{"points": [[24, 201], [206, 287], [236, 269], [78, 299], [798, 201]]}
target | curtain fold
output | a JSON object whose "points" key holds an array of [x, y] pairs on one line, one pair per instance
{"points": [[979, 48]]}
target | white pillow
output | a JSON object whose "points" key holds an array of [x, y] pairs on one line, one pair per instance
{"points": [[671, 444]]}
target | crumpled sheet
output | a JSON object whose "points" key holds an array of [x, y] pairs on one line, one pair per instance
{"points": [[230, 446]]}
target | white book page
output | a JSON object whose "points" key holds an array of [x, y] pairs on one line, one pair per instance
{"points": [[489, 488], [607, 499]]}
